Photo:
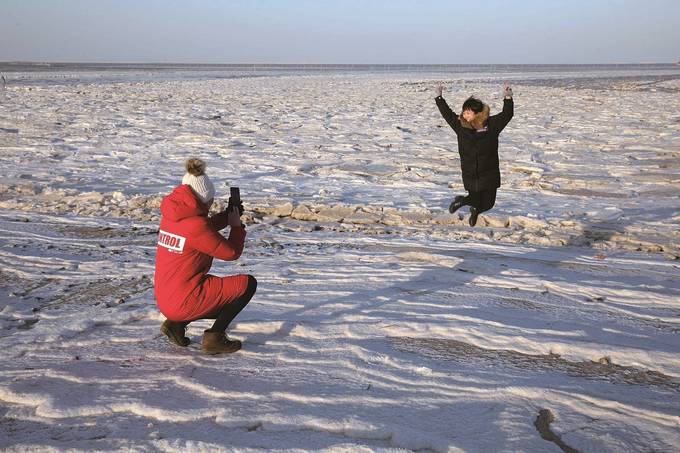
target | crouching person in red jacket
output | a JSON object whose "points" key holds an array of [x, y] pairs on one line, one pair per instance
{"points": [[188, 241]]}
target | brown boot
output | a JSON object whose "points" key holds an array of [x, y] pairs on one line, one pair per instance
{"points": [[175, 332], [217, 343]]}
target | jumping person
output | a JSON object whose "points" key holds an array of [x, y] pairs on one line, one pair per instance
{"points": [[188, 241], [478, 149]]}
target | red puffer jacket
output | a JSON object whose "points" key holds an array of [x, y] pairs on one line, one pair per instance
{"points": [[188, 241]]}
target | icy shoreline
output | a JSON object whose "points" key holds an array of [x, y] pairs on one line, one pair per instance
{"points": [[602, 235]]}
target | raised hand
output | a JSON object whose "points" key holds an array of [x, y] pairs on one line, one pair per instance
{"points": [[234, 217], [239, 205], [507, 90], [439, 89]]}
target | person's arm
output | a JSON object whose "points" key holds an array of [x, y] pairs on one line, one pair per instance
{"points": [[214, 244], [446, 111], [502, 119], [219, 221]]}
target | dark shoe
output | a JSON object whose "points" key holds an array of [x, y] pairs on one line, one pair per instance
{"points": [[175, 332], [474, 213], [218, 343], [456, 204]]}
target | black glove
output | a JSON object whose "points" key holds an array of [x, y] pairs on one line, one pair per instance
{"points": [[230, 206]]}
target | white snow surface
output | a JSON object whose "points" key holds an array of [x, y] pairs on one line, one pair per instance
{"points": [[381, 322]]}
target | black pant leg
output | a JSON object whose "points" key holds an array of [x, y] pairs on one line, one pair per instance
{"points": [[487, 199], [230, 311], [472, 199]]}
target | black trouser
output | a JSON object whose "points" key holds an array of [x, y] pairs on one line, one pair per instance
{"points": [[482, 200], [225, 316]]}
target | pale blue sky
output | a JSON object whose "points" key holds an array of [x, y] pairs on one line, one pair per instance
{"points": [[343, 31]]}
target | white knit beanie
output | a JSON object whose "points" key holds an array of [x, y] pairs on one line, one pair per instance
{"points": [[198, 180]]}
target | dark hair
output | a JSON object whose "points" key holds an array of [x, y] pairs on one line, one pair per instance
{"points": [[474, 104]]}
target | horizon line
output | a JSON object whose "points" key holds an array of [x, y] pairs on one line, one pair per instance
{"points": [[48, 62]]}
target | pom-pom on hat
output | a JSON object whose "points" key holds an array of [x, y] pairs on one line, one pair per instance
{"points": [[198, 180]]}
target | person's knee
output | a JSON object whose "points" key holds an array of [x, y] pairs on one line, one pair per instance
{"points": [[252, 285], [489, 205]]}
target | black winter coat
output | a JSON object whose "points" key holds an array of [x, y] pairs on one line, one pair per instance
{"points": [[478, 149]]}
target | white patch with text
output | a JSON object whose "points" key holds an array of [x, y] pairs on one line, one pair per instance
{"points": [[170, 241]]}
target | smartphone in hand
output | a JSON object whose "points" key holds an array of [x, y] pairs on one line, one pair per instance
{"points": [[235, 199], [235, 193]]}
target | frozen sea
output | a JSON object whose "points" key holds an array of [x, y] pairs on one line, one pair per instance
{"points": [[381, 321]]}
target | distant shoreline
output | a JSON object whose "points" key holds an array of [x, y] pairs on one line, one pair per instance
{"points": [[19, 66]]}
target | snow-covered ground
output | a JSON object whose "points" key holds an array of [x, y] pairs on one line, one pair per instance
{"points": [[381, 322]]}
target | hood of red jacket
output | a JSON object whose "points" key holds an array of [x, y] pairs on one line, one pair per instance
{"points": [[181, 204]]}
